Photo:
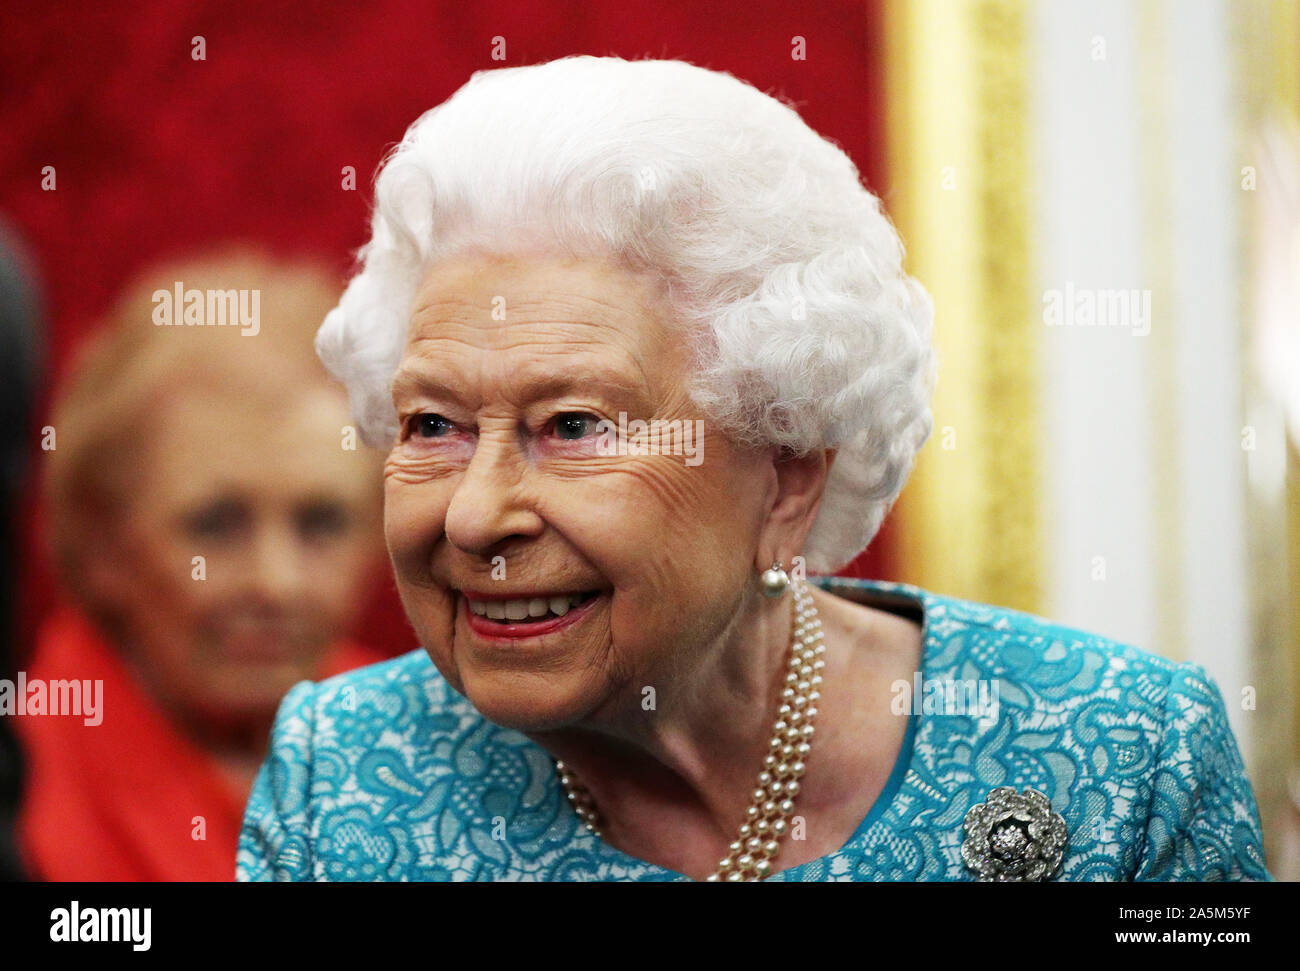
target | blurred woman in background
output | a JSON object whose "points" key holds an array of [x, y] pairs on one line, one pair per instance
{"points": [[215, 527]]}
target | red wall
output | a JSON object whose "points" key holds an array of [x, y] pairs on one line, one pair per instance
{"points": [[157, 153]]}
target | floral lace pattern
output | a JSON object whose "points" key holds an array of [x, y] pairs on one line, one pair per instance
{"points": [[387, 773]]}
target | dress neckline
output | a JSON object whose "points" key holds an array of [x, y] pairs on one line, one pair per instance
{"points": [[897, 598]]}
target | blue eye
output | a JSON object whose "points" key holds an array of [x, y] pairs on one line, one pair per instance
{"points": [[431, 426], [573, 426]]}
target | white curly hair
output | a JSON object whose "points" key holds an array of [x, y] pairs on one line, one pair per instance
{"points": [[782, 269]]}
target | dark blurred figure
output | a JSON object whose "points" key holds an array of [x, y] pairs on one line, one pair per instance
{"points": [[214, 533], [19, 360]]}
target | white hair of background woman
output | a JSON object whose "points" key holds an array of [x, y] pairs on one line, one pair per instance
{"points": [[782, 270]]}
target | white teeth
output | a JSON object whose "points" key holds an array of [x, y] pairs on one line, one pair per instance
{"points": [[532, 608]]}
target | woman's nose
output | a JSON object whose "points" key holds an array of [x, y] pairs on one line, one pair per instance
{"points": [[490, 501], [279, 571]]}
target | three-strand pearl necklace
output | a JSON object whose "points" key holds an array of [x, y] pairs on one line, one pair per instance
{"points": [[768, 817]]}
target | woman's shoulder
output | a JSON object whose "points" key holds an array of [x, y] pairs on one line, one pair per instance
{"points": [[1046, 672], [1134, 749], [352, 754], [404, 698], [379, 676], [1024, 651]]}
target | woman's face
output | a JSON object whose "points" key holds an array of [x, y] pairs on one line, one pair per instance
{"points": [[499, 497], [244, 552]]}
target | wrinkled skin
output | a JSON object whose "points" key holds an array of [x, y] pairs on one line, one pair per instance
{"points": [[497, 464]]}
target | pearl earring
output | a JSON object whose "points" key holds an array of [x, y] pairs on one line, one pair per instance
{"points": [[775, 580]]}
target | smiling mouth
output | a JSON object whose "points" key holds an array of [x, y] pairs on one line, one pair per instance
{"points": [[527, 616], [529, 609]]}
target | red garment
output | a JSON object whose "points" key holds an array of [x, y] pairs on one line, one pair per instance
{"points": [[116, 801]]}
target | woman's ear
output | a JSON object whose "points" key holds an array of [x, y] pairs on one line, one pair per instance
{"points": [[800, 485]]}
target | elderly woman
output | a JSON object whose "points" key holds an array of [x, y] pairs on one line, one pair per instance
{"points": [[640, 348], [214, 540]]}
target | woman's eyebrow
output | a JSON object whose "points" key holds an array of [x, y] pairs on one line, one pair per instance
{"points": [[412, 381]]}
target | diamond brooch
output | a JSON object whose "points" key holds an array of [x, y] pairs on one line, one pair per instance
{"points": [[1014, 837]]}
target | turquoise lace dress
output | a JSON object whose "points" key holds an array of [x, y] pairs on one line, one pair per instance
{"points": [[386, 773]]}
